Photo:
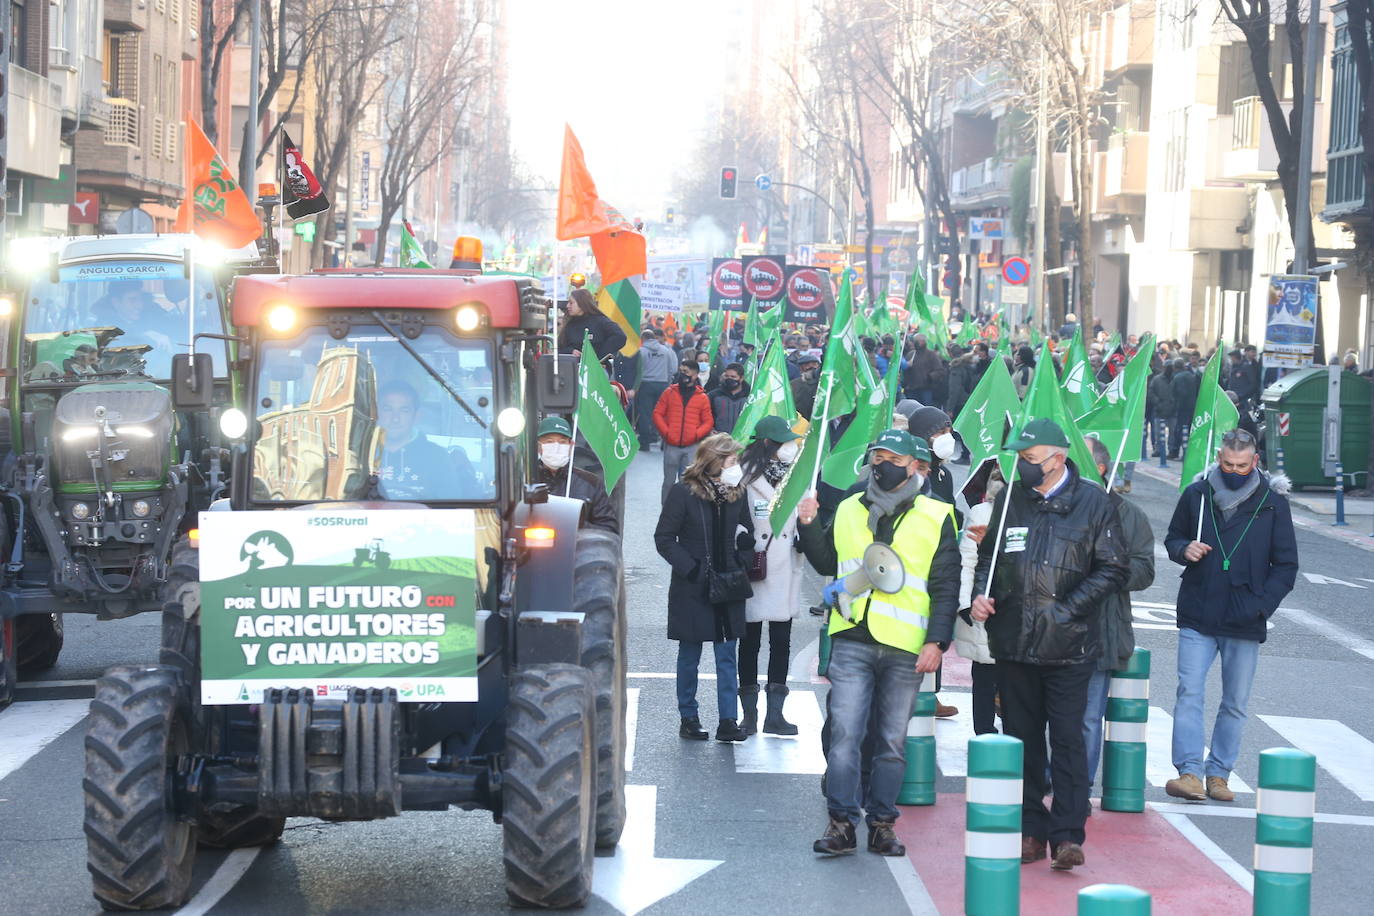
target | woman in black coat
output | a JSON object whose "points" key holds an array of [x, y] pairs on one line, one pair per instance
{"points": [[705, 527], [584, 316]]}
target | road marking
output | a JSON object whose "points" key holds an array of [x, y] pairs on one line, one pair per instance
{"points": [[1159, 753], [634, 879], [1331, 631], [913, 889], [1226, 810], [1211, 850], [803, 667], [1319, 579], [951, 740], [29, 727], [631, 725], [1340, 750], [234, 866], [800, 755]]}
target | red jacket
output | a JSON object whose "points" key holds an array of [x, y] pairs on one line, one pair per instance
{"points": [[683, 424]]}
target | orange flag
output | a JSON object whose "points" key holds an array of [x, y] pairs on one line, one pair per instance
{"points": [[619, 253], [619, 250], [215, 207]]}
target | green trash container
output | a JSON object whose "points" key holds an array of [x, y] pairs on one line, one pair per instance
{"points": [[1297, 403]]}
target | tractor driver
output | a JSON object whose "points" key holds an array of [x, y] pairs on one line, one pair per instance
{"points": [[412, 466], [125, 306]]}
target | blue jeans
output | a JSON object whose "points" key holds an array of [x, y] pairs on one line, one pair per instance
{"points": [[1098, 685], [1196, 653], [727, 683], [864, 677]]}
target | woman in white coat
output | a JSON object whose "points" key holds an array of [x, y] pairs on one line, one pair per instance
{"points": [[970, 637], [777, 597]]}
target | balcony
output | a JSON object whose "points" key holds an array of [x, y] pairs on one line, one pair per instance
{"points": [[1215, 215], [122, 129], [982, 184], [1127, 163], [35, 123], [1132, 42], [981, 88]]}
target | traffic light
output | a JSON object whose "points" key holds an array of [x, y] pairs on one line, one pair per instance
{"points": [[668, 217], [729, 179]]}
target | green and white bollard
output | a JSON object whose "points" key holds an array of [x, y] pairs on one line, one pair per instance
{"points": [[1113, 900], [1123, 750], [918, 780], [1285, 807], [992, 826]]}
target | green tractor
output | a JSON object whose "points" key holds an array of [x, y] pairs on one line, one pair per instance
{"points": [[101, 473], [482, 667]]}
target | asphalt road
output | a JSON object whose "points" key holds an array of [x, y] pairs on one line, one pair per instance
{"points": [[716, 827]]}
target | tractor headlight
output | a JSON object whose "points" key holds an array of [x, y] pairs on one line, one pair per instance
{"points": [[81, 511], [7, 300], [467, 318], [511, 422], [233, 423], [141, 508], [281, 318]]}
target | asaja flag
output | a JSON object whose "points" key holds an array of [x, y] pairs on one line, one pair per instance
{"points": [[302, 193], [1118, 416], [1043, 400], [619, 250], [215, 207], [753, 330], [968, 332], [619, 301], [1080, 388], [1213, 417], [873, 415], [841, 353], [601, 419], [770, 396], [800, 478], [412, 255], [715, 329], [983, 420]]}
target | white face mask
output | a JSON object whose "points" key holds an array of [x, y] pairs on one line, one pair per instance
{"points": [[787, 452], [555, 454], [943, 445], [732, 475]]}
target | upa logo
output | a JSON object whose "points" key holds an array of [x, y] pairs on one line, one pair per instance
{"points": [[266, 550], [804, 290], [623, 445], [763, 278], [728, 278]]}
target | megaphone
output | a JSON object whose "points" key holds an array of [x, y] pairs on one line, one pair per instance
{"points": [[880, 570]]}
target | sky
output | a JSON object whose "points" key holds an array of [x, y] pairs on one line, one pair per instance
{"points": [[634, 78]]}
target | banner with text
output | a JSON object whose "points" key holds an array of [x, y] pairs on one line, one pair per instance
{"points": [[1291, 327], [331, 600], [810, 295]]}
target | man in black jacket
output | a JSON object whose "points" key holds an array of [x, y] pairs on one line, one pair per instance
{"points": [[1234, 575], [1184, 386], [555, 453], [1060, 556], [728, 398]]}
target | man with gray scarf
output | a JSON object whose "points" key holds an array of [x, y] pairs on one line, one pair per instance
{"points": [[886, 641]]}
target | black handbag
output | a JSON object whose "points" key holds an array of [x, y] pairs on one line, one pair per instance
{"points": [[727, 586]]}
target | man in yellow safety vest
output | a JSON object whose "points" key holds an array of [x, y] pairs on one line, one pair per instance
{"points": [[889, 640]]}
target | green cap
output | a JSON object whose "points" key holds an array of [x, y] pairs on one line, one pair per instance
{"points": [[1043, 431], [775, 429], [901, 442], [551, 425]]}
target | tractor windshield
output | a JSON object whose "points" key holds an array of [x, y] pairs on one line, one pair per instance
{"points": [[334, 412], [106, 319]]}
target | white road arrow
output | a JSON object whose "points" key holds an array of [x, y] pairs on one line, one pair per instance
{"points": [[1319, 579], [634, 879]]}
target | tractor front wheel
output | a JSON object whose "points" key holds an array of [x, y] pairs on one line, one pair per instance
{"points": [[139, 851], [599, 593], [549, 787], [40, 641]]}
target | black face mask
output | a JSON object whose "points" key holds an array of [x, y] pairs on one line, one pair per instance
{"points": [[686, 380], [1029, 474], [889, 476], [729, 384]]}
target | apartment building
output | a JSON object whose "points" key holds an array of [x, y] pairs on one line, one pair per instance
{"points": [[45, 50]]}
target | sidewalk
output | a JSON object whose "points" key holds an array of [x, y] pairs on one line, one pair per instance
{"points": [[1314, 511]]}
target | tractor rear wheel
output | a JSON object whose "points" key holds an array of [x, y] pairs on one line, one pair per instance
{"points": [[39, 637], [549, 787], [227, 826], [138, 850], [598, 592]]}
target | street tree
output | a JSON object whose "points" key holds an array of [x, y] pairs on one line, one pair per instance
{"points": [[219, 23]]}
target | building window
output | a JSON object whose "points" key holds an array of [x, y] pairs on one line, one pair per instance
{"points": [[19, 34], [1176, 151]]}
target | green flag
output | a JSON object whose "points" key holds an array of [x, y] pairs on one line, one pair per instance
{"points": [[918, 305], [1118, 416], [770, 396], [412, 255], [935, 308], [982, 421], [799, 479], [601, 419], [753, 330], [835, 398], [715, 329], [1113, 342], [873, 415], [771, 321], [1036, 338], [1004, 334], [968, 332], [1043, 400], [1080, 388], [1213, 417]]}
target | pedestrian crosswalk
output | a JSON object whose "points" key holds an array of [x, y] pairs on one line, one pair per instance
{"points": [[27, 728], [1339, 749], [800, 755]]}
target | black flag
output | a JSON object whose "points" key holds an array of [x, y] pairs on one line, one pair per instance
{"points": [[301, 191]]}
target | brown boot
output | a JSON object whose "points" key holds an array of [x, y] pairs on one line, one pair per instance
{"points": [[1219, 790], [1186, 786], [1066, 856], [1032, 850], [945, 712]]}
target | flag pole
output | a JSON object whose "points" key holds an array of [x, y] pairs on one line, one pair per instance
{"points": [[1202, 502], [1001, 526], [1126, 434], [555, 307], [572, 453]]}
